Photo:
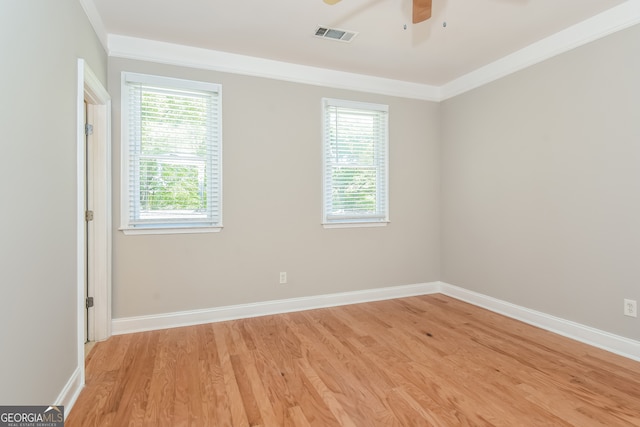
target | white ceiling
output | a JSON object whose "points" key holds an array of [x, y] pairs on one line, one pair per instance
{"points": [[477, 32]]}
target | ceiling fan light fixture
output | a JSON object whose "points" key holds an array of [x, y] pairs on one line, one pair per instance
{"points": [[421, 10]]}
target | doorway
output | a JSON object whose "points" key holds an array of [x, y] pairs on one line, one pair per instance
{"points": [[94, 211]]}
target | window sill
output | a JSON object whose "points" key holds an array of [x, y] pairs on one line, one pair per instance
{"points": [[169, 230], [355, 224]]}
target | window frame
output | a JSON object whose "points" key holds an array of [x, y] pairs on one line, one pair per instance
{"points": [[381, 216], [164, 226]]}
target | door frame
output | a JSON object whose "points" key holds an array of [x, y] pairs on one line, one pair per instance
{"points": [[98, 253]]}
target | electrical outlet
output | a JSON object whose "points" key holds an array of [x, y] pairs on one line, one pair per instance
{"points": [[630, 308], [283, 277]]}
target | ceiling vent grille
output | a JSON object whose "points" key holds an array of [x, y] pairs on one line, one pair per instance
{"points": [[335, 34]]}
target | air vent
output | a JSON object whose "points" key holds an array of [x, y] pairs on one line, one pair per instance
{"points": [[335, 34]]}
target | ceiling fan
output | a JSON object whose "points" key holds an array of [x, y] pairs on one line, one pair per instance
{"points": [[421, 9]]}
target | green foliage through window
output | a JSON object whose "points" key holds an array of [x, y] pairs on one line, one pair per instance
{"points": [[174, 151], [355, 146]]}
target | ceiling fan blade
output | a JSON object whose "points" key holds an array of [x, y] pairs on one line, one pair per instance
{"points": [[421, 10], [331, 2]]}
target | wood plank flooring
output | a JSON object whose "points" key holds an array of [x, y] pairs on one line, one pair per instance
{"points": [[420, 361]]}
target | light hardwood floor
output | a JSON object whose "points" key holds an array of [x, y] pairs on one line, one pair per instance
{"points": [[420, 361]]}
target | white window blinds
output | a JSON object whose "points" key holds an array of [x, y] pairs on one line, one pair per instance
{"points": [[172, 141], [355, 140]]}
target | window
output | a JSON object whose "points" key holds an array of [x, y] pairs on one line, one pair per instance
{"points": [[355, 142], [171, 155]]}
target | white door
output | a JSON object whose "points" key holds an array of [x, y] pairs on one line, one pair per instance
{"points": [[88, 228], [94, 195]]}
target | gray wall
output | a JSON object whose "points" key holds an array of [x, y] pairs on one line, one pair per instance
{"points": [[40, 42], [272, 206], [541, 185]]}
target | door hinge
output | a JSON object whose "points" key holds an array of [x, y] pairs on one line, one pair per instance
{"points": [[89, 302], [88, 216], [88, 129]]}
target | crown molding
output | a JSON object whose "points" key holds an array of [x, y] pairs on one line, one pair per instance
{"points": [[91, 11], [193, 57], [613, 20]]}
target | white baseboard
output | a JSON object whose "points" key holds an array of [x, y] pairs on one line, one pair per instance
{"points": [[613, 343], [218, 314], [70, 392]]}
